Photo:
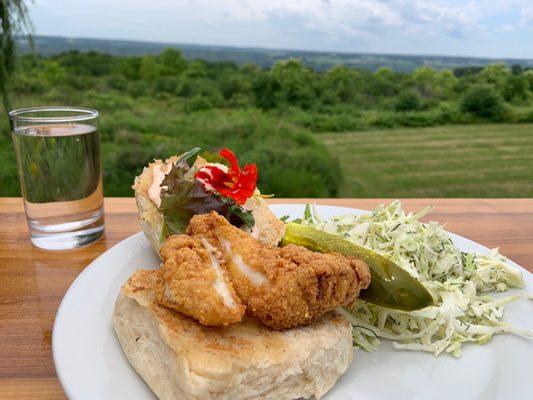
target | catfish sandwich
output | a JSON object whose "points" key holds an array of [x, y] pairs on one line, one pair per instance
{"points": [[230, 314]]}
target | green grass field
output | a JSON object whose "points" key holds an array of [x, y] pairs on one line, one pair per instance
{"points": [[493, 160]]}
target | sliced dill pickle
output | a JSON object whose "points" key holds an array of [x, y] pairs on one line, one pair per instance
{"points": [[390, 285]]}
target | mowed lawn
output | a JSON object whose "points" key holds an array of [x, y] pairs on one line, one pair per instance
{"points": [[493, 160]]}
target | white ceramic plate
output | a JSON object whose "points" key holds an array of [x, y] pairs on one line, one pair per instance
{"points": [[90, 363]]}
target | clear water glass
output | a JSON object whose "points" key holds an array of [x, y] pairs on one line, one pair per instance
{"points": [[60, 173]]}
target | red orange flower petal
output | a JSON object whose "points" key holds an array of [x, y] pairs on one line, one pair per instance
{"points": [[237, 184]]}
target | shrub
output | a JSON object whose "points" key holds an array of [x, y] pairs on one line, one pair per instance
{"points": [[413, 119], [523, 115], [138, 88], [417, 119], [117, 82], [407, 101], [123, 163], [483, 101], [198, 103], [9, 183], [449, 113], [324, 118], [379, 119], [339, 109], [166, 84], [334, 123], [291, 161]]}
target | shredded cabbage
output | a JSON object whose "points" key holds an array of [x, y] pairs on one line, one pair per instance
{"points": [[458, 281]]}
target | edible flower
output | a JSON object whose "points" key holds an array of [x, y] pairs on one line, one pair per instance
{"points": [[236, 183], [183, 196]]}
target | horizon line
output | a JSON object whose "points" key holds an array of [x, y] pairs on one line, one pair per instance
{"points": [[260, 48]]}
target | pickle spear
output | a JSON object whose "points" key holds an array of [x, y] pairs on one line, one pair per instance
{"points": [[390, 285]]}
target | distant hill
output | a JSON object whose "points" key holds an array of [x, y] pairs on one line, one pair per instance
{"points": [[50, 45]]}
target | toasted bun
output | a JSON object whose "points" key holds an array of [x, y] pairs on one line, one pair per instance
{"points": [[150, 219], [268, 229], [180, 359]]}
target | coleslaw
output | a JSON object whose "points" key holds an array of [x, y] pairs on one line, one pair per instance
{"points": [[458, 281]]}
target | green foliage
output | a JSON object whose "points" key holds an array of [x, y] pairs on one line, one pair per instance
{"points": [[52, 73], [408, 101], [413, 119], [341, 85], [129, 68], [447, 83], [198, 85], [382, 84], [523, 115], [148, 69], [516, 88], [267, 92], [158, 106], [14, 20], [495, 75], [198, 103], [484, 101], [9, 184], [291, 161], [289, 83], [426, 81], [171, 63]]}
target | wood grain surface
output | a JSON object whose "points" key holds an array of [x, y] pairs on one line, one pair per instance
{"points": [[34, 281]]}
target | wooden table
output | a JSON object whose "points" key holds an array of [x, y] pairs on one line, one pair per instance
{"points": [[34, 281]]}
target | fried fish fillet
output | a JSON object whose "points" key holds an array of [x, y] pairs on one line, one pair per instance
{"points": [[193, 282], [282, 287]]}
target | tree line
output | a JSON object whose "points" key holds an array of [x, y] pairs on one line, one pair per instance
{"points": [[490, 92], [157, 106]]}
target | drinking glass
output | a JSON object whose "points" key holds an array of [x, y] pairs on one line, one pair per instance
{"points": [[60, 173]]}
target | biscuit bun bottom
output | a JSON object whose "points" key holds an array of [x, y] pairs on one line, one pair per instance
{"points": [[181, 359]]}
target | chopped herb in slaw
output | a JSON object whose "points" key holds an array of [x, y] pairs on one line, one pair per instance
{"points": [[458, 281]]}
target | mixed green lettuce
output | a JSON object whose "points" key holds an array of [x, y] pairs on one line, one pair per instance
{"points": [[183, 196]]}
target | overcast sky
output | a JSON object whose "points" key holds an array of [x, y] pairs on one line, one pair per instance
{"points": [[488, 28]]}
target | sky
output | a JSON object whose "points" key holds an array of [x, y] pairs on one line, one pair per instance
{"points": [[482, 28]]}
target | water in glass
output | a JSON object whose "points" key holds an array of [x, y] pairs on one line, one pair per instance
{"points": [[60, 175]]}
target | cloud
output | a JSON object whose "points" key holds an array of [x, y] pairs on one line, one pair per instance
{"points": [[459, 27], [506, 28], [526, 15], [356, 17]]}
